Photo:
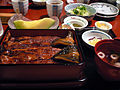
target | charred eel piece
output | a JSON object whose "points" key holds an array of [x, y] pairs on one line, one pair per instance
{"points": [[68, 54], [68, 40]]}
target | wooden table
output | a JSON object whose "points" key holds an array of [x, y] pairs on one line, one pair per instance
{"points": [[35, 13], [95, 81]]}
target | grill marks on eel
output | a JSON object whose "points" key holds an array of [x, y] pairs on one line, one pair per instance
{"points": [[29, 50]]}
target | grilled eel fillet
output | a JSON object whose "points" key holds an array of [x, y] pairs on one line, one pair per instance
{"points": [[27, 50]]}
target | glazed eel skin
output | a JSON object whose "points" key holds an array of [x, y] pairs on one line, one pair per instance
{"points": [[28, 50]]}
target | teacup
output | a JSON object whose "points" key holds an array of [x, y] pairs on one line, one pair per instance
{"points": [[54, 7], [20, 6]]}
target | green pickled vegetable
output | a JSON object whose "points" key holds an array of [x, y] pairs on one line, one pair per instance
{"points": [[75, 11], [80, 10]]}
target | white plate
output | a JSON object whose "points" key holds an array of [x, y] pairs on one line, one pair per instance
{"points": [[103, 16], [105, 8], [21, 17]]}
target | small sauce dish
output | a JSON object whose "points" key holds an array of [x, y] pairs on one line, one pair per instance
{"points": [[76, 22], [103, 26]]}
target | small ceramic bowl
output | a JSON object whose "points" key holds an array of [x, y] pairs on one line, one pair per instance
{"points": [[77, 22], [89, 8], [103, 26], [91, 37]]}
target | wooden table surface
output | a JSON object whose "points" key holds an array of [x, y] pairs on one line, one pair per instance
{"points": [[35, 13]]}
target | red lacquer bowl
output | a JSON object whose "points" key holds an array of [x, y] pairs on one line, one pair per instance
{"points": [[104, 68]]}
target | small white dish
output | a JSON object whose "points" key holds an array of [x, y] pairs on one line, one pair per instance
{"points": [[77, 24], [76, 20], [90, 35], [103, 26]]}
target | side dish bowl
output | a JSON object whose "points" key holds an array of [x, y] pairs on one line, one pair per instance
{"points": [[91, 37], [90, 9]]}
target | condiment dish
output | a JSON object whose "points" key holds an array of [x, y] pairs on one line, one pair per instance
{"points": [[77, 22], [103, 26]]}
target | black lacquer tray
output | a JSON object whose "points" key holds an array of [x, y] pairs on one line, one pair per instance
{"points": [[42, 75]]}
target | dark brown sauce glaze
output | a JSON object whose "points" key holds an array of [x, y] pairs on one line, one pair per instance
{"points": [[29, 50]]}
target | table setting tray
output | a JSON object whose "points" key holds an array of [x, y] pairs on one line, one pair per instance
{"points": [[91, 80]]}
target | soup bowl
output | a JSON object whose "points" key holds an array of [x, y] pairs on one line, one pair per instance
{"points": [[107, 63]]}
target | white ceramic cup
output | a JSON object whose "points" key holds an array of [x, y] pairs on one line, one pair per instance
{"points": [[20, 6], [54, 7], [1, 29]]}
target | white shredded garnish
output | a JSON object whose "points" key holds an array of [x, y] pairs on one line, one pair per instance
{"points": [[101, 55], [114, 56]]}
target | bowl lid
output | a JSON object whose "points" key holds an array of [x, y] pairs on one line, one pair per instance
{"points": [[105, 8]]}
